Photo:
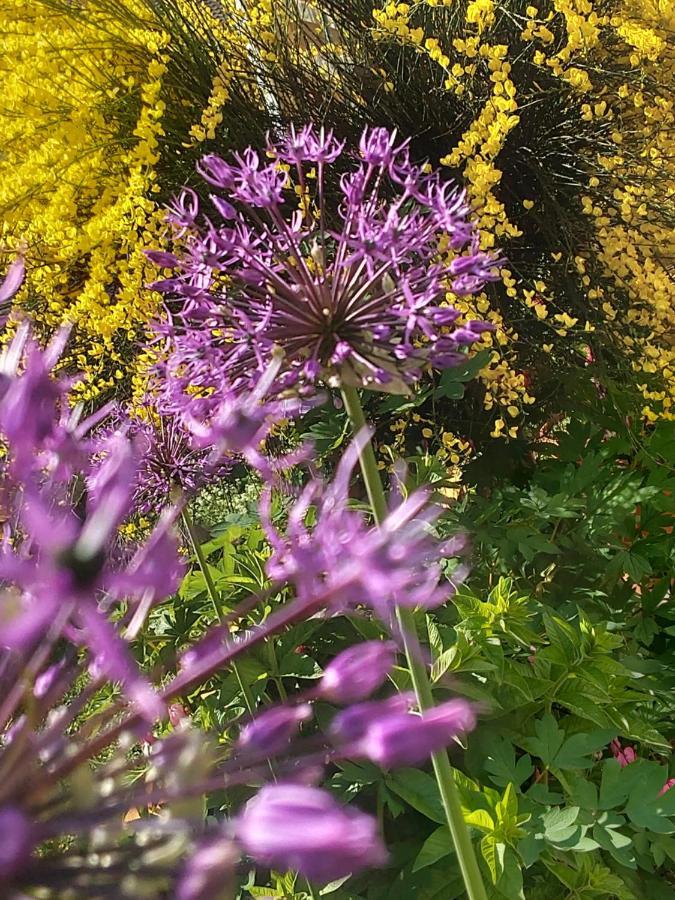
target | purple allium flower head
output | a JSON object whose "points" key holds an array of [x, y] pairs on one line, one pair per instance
{"points": [[170, 462], [350, 296], [357, 672], [291, 826], [393, 737]]}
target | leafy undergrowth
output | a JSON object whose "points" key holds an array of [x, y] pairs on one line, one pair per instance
{"points": [[564, 638]]}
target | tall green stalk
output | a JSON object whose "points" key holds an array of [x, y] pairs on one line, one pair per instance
{"points": [[212, 591], [442, 769]]}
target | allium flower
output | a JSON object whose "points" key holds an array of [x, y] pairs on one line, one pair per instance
{"points": [[353, 297], [304, 828], [79, 799], [348, 560], [170, 461]]}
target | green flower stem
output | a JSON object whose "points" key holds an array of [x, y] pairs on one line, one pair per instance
{"points": [[212, 591], [442, 769]]}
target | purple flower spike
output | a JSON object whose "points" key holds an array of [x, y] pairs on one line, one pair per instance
{"points": [[290, 826], [357, 672], [353, 295], [271, 731]]}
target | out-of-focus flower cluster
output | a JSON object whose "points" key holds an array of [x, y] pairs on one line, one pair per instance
{"points": [[83, 810]]}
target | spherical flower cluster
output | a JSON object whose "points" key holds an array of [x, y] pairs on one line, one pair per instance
{"points": [[349, 297]]}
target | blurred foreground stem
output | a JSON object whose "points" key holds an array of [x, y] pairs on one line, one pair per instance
{"points": [[442, 769]]}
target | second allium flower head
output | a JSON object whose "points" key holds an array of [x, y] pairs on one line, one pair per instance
{"points": [[351, 296]]}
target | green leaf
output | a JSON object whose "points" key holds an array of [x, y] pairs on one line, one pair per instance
{"points": [[503, 767], [563, 637], [616, 784], [576, 752], [492, 851], [559, 820], [548, 741], [419, 790], [480, 819], [582, 792], [645, 808], [437, 846], [617, 844]]}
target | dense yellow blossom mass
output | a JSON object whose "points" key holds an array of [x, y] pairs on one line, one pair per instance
{"points": [[87, 109]]}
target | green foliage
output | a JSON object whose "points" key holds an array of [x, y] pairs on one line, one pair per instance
{"points": [[564, 640]]}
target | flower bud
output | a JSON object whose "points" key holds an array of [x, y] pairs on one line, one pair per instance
{"points": [[397, 738], [271, 731], [357, 672], [290, 826]]}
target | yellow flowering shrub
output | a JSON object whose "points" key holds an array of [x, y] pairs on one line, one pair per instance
{"points": [[83, 113], [557, 115]]}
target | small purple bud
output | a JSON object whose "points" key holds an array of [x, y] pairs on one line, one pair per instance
{"points": [[208, 872], [271, 731], [444, 315], [352, 723], [162, 259], [312, 369], [226, 210], [216, 171], [357, 672], [341, 353], [290, 826]]}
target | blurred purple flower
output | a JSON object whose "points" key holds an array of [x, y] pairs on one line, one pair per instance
{"points": [[58, 567], [392, 737], [357, 672], [357, 306], [291, 826], [271, 731]]}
